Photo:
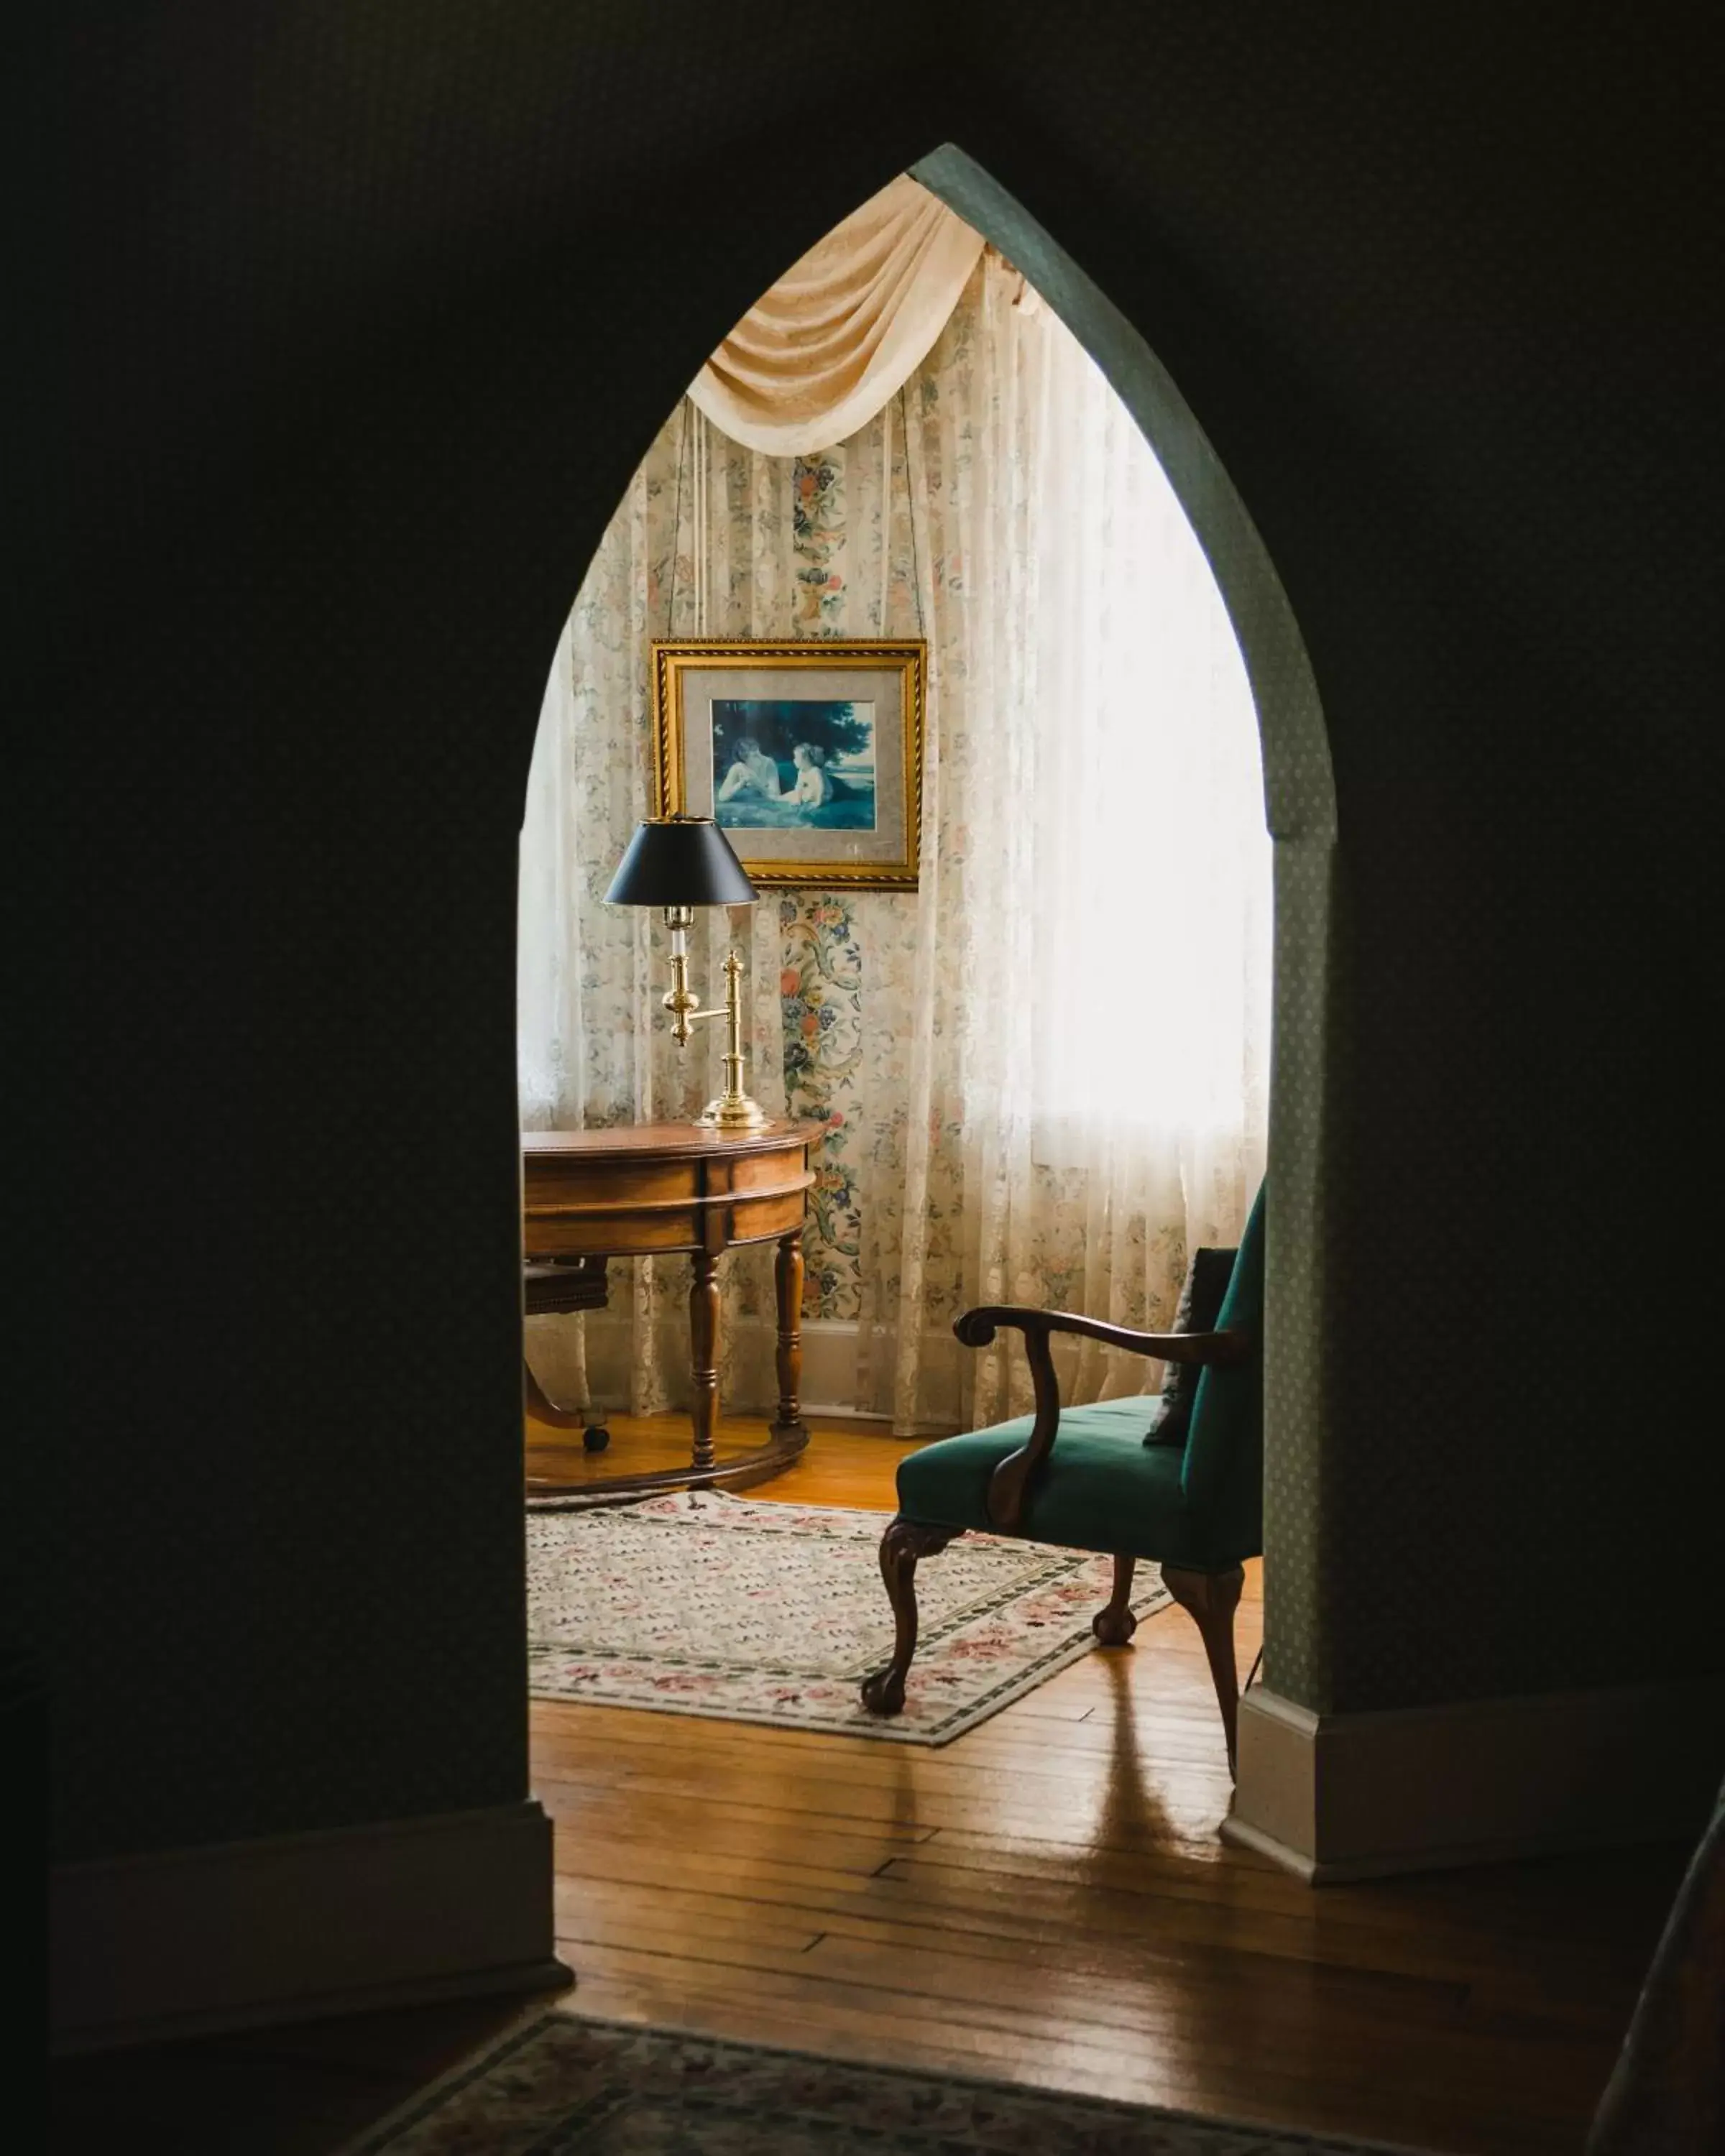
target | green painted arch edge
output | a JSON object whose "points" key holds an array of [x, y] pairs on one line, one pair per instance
{"points": [[1298, 786], [1299, 810]]}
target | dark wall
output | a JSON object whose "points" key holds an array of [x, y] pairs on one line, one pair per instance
{"points": [[358, 317]]}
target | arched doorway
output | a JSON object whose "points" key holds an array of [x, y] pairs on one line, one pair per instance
{"points": [[322, 486], [1299, 810]]}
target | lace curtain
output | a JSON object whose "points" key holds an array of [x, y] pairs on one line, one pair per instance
{"points": [[1043, 1077], [1087, 1064]]}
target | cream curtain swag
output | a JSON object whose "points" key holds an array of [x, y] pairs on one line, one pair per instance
{"points": [[814, 359]]}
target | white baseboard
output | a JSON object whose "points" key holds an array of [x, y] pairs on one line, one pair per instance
{"points": [[243, 1934], [586, 1357], [748, 1375], [1360, 1796]]}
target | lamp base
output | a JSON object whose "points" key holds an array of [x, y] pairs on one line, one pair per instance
{"points": [[733, 1111]]}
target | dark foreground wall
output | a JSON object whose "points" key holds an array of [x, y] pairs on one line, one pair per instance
{"points": [[366, 312]]}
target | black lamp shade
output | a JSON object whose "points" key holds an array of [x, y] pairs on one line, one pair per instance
{"points": [[679, 860]]}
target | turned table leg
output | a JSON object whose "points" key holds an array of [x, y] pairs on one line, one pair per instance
{"points": [[703, 1355], [787, 1277]]}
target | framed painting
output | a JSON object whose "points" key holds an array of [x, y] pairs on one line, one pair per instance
{"points": [[808, 756]]}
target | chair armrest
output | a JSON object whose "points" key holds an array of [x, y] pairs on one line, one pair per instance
{"points": [[976, 1328], [1010, 1485]]}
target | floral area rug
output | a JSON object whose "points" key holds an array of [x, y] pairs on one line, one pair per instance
{"points": [[567, 2087], [698, 1603]]}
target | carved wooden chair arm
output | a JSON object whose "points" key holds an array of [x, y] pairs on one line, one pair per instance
{"points": [[976, 1328], [1010, 1485]]}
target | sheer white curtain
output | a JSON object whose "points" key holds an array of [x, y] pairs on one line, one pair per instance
{"points": [[1089, 1020], [1151, 955]]}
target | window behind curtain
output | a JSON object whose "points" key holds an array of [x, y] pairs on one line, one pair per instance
{"points": [[1152, 906]]}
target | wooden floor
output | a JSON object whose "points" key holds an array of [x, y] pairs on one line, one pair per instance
{"points": [[1043, 1900]]}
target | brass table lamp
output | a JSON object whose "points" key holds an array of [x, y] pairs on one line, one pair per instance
{"points": [[680, 862]]}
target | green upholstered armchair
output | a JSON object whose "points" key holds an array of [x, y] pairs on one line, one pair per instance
{"points": [[1083, 1478]]}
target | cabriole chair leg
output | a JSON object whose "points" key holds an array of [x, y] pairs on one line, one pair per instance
{"points": [[904, 1542], [1211, 1599], [1115, 1623]]}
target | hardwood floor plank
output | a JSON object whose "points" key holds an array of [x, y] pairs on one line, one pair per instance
{"points": [[1043, 1900], [863, 1853], [1075, 1836], [933, 1813], [804, 2011], [677, 1931], [594, 1807], [1115, 1939]]}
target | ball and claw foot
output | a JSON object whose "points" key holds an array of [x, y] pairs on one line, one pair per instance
{"points": [[1114, 1628], [595, 1437], [884, 1692]]}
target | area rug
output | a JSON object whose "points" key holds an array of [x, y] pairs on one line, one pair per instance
{"points": [[699, 1602], [602, 2089]]}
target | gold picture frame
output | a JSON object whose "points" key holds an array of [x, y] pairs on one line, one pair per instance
{"points": [[808, 755]]}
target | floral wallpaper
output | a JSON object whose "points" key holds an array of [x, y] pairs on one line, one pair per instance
{"points": [[821, 985], [817, 528], [714, 539]]}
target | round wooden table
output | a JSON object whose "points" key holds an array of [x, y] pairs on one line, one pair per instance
{"points": [[648, 1189]]}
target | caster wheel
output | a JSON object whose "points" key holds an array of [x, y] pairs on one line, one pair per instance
{"points": [[595, 1438]]}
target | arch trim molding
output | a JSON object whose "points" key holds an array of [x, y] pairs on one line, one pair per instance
{"points": [[1300, 808]]}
